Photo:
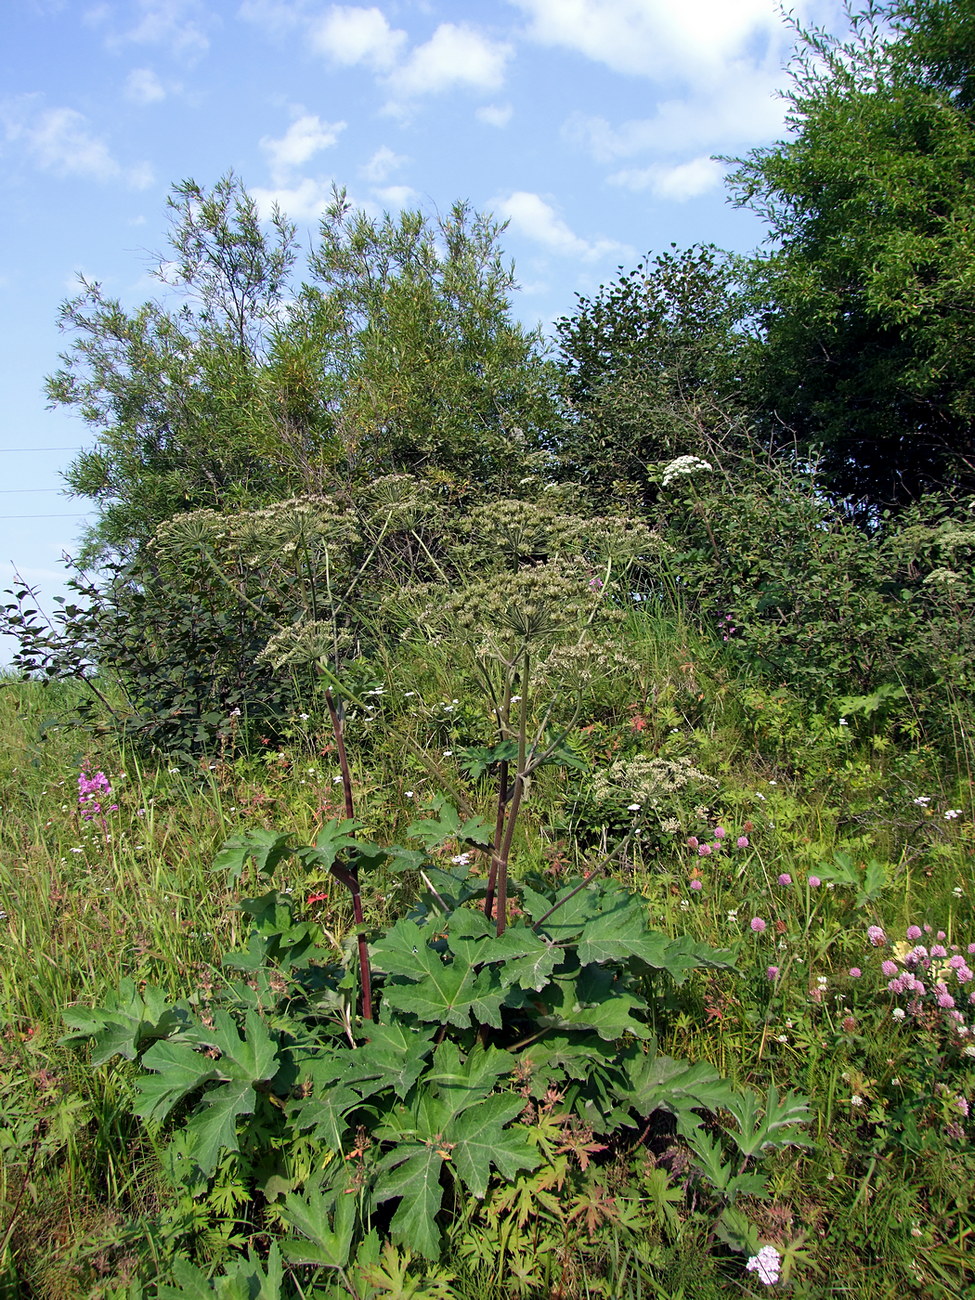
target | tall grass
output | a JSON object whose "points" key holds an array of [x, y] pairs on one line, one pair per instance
{"points": [[878, 1207]]}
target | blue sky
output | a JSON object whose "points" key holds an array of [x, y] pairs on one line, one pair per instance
{"points": [[589, 125]]}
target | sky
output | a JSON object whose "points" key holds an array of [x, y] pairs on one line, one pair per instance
{"points": [[590, 126]]}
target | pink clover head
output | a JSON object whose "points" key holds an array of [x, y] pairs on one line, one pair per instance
{"points": [[814, 882], [785, 878], [757, 924]]}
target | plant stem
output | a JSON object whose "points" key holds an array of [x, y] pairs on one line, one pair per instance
{"points": [[351, 878]]}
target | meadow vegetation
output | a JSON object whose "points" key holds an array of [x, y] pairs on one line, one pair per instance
{"points": [[495, 824]]}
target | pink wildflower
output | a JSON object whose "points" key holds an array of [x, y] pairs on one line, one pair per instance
{"points": [[772, 972], [719, 832], [696, 885], [704, 850], [855, 972], [757, 924], [785, 878], [913, 932], [814, 882], [742, 841], [889, 968], [876, 935]]}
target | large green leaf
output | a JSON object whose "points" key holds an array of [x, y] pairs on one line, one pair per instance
{"points": [[411, 1171], [125, 1023], [660, 1082], [325, 1222], [266, 847], [450, 994], [592, 1000], [243, 1065]]}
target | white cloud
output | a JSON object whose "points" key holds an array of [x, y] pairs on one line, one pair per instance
{"points": [[142, 86], [352, 35], [529, 215], [305, 137], [60, 141], [275, 15], [382, 164], [683, 181], [736, 111], [304, 201], [655, 38], [177, 25], [494, 114], [455, 55], [396, 196]]}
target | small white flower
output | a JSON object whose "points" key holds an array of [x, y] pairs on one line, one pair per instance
{"points": [[766, 1264], [461, 859], [856, 1100], [336, 780], [447, 753], [683, 466], [958, 891], [968, 1049], [843, 722], [898, 1013], [408, 794], [922, 799], [633, 807], [952, 813], [515, 699]]}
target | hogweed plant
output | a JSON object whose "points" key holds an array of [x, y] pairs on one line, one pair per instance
{"points": [[335, 1097]]}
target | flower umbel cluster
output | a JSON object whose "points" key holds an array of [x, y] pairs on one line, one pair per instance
{"points": [[684, 466], [767, 1264]]}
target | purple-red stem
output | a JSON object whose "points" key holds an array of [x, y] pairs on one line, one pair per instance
{"points": [[350, 878]]}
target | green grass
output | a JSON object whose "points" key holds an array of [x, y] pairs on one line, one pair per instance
{"points": [[878, 1206]]}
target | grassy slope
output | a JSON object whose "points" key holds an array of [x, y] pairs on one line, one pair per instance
{"points": [[877, 1206]]}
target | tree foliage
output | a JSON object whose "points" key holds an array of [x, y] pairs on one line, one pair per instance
{"points": [[242, 386], [651, 364], [865, 296]]}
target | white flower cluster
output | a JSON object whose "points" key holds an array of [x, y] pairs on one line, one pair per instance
{"points": [[683, 466], [766, 1264]]}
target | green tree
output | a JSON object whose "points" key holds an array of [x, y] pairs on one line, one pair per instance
{"points": [[178, 394], [651, 364], [434, 375], [865, 296], [243, 386]]}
